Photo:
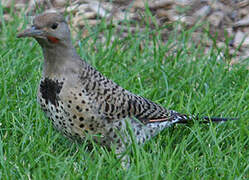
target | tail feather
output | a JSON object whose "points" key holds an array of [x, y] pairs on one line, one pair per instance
{"points": [[178, 118], [217, 119], [205, 119]]}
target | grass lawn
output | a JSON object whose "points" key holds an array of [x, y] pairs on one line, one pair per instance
{"points": [[175, 74]]}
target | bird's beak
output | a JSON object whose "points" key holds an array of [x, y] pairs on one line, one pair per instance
{"points": [[30, 32]]}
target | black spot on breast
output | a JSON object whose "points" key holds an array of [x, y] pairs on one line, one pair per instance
{"points": [[112, 108], [106, 107], [107, 97], [94, 85], [87, 87], [78, 108], [50, 89], [118, 115], [105, 91]]}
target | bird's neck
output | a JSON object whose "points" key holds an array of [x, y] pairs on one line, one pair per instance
{"points": [[57, 59]]}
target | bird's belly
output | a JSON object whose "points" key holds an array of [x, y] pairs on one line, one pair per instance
{"points": [[59, 117], [72, 115]]}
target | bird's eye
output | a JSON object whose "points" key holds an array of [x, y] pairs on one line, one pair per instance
{"points": [[54, 25]]}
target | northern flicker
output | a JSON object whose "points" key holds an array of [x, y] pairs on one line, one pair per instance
{"points": [[80, 100]]}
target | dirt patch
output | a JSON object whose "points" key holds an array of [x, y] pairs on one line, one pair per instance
{"points": [[226, 22]]}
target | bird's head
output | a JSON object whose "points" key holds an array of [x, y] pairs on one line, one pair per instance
{"points": [[48, 28]]}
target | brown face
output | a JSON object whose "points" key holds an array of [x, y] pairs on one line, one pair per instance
{"points": [[46, 26]]}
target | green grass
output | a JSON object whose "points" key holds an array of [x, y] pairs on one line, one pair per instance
{"points": [[184, 79]]}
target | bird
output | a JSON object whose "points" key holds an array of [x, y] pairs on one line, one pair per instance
{"points": [[81, 102]]}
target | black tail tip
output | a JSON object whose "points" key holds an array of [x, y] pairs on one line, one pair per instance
{"points": [[218, 119]]}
